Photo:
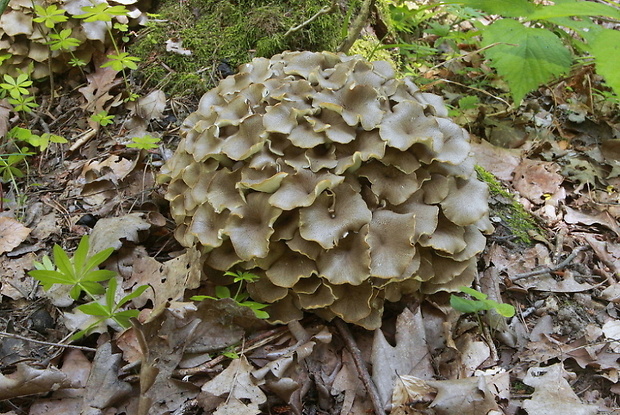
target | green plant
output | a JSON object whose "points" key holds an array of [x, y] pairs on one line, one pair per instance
{"points": [[534, 43], [479, 303], [102, 118], [240, 297], [8, 165], [81, 272], [146, 142], [41, 142]]}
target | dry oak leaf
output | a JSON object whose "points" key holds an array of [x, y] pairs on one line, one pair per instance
{"points": [[12, 233]]}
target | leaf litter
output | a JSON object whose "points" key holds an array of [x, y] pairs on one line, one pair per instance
{"points": [[559, 351]]}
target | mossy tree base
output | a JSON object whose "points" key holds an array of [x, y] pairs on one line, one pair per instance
{"points": [[234, 31]]}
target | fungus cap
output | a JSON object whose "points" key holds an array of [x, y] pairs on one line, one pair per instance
{"points": [[340, 185]]}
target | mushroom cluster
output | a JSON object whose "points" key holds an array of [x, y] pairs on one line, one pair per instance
{"points": [[340, 185], [25, 42]]}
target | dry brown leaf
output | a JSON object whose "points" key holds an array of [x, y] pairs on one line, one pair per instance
{"points": [[15, 283], [500, 161], [231, 386], [169, 280], [5, 111], [536, 180], [27, 380], [104, 388], [553, 394], [410, 356], [152, 105], [603, 218], [97, 92], [110, 232], [12, 233]]}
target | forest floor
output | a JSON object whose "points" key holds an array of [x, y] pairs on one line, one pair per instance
{"points": [[558, 155]]}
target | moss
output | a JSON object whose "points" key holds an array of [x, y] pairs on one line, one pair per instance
{"points": [[512, 214], [369, 47], [214, 30]]}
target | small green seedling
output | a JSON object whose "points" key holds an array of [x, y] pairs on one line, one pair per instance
{"points": [[82, 273], [102, 118], [111, 309], [241, 298], [479, 303], [146, 142], [16, 87]]}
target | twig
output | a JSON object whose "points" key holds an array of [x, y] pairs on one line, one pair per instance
{"points": [[68, 346], [324, 10], [357, 27], [361, 367], [547, 270]]}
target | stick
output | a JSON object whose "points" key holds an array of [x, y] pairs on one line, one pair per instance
{"points": [[324, 10], [344, 331], [547, 270], [68, 346]]}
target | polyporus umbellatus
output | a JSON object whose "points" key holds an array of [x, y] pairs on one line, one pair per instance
{"points": [[339, 184], [25, 42]]}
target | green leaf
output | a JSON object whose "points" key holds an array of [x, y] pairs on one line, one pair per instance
{"points": [[135, 293], [145, 142], [527, 57], [507, 8], [94, 309], [101, 12], [3, 4], [605, 48], [48, 277], [110, 293], [92, 287], [98, 275], [222, 292], [79, 256], [98, 258], [63, 263], [505, 310], [580, 8], [474, 293], [465, 305]]}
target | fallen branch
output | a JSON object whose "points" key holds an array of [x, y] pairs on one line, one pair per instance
{"points": [[547, 270], [68, 346], [349, 341], [324, 10], [356, 27]]}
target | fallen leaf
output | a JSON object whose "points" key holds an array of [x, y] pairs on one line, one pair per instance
{"points": [[536, 180], [410, 356], [5, 111], [603, 218], [110, 232], [152, 105], [231, 386], [104, 388], [553, 394], [27, 380], [12, 233]]}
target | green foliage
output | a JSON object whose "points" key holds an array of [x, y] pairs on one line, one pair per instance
{"points": [[240, 297], [63, 40], [242, 29], [533, 44], [41, 142], [81, 272], [16, 87], [102, 118], [9, 169], [145, 142], [102, 12], [121, 61], [50, 15], [479, 303]]}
